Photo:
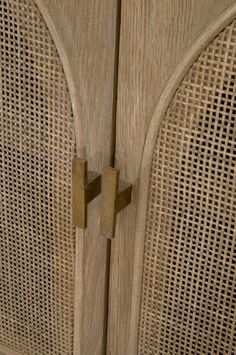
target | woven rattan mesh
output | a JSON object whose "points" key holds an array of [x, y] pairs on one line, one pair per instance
{"points": [[188, 289], [37, 143]]}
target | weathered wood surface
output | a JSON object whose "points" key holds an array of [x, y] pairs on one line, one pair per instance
{"points": [[85, 35], [154, 37]]}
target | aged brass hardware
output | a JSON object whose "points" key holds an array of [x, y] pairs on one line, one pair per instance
{"points": [[85, 187], [115, 197]]}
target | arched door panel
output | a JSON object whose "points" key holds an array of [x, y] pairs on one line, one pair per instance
{"points": [[188, 279], [161, 155], [56, 101], [37, 147]]}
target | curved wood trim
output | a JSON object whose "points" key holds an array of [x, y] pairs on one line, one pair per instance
{"points": [[7, 351], [67, 70], [167, 95], [78, 300]]}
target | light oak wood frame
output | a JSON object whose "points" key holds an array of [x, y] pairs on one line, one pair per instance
{"points": [[167, 95], [154, 37], [85, 35]]}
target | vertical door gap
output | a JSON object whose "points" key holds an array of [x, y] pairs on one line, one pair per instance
{"points": [[115, 92], [113, 150]]}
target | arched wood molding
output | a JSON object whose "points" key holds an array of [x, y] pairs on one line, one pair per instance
{"points": [[67, 71], [166, 97], [80, 149]]}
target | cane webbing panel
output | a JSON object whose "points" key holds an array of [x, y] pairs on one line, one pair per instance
{"points": [[188, 288], [37, 143]]}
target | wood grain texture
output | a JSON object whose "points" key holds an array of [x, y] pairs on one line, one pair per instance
{"points": [[154, 37], [167, 95], [189, 108], [6, 351], [86, 34]]}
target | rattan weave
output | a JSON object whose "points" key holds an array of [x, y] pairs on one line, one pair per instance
{"points": [[188, 288], [37, 143]]}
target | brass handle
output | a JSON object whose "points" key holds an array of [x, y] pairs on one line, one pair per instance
{"points": [[85, 187], [115, 197]]}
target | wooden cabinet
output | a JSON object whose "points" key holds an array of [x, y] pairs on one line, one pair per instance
{"points": [[57, 89], [148, 87]]}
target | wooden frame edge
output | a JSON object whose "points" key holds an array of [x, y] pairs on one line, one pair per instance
{"points": [[8, 351], [67, 71], [185, 63], [78, 293]]}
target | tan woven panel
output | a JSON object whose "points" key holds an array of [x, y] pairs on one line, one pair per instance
{"points": [[37, 143], [188, 289]]}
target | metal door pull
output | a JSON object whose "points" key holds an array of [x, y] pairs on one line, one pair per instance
{"points": [[85, 187], [115, 197]]}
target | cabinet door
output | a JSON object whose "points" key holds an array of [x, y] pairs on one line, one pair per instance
{"points": [[172, 268], [57, 69]]}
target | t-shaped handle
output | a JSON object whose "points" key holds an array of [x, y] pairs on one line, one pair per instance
{"points": [[115, 197], [85, 187]]}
